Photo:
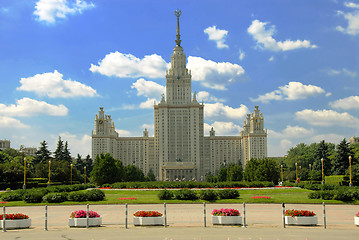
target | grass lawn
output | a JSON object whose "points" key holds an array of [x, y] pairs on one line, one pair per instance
{"points": [[150, 197]]}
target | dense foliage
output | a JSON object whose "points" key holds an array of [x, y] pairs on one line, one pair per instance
{"points": [[206, 194]]}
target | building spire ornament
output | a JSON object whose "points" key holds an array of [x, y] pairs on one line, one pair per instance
{"points": [[178, 40]]}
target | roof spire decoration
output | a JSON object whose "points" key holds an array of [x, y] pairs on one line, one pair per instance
{"points": [[178, 40]]}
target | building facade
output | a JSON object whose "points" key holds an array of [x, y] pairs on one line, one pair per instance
{"points": [[179, 149], [4, 144]]}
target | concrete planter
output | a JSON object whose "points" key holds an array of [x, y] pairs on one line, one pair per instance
{"points": [[226, 220], [14, 224], [81, 222], [148, 221], [356, 220], [304, 220]]}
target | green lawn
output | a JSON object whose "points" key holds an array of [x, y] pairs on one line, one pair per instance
{"points": [[150, 197]]}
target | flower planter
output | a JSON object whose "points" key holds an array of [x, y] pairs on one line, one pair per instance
{"points": [[356, 220], [14, 224], [148, 221], [226, 220], [81, 222], [302, 220]]}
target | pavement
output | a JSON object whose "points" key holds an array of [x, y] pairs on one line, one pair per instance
{"points": [[186, 221]]}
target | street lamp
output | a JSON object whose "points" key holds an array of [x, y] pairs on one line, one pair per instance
{"points": [[24, 186], [322, 170], [49, 182], [296, 172], [281, 171], [71, 174], [85, 173], [350, 171]]}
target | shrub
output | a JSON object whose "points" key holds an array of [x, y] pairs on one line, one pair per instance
{"points": [[33, 196], [208, 195], [77, 196], [314, 195], [12, 196], [328, 187], [327, 194], [186, 194], [345, 195], [95, 195], [165, 195], [228, 194], [55, 197], [311, 186]]}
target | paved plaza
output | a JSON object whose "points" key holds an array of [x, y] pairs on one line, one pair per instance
{"points": [[186, 221]]}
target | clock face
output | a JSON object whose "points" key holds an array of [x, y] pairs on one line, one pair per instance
{"points": [[100, 122], [257, 120]]}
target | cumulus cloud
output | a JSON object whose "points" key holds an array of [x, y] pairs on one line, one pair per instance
{"points": [[286, 144], [8, 122], [217, 35], [351, 102], [212, 74], [222, 128], [265, 40], [29, 107], [207, 97], [128, 66], [53, 85], [49, 11], [291, 132], [331, 137], [352, 19], [124, 133], [218, 112], [327, 118], [148, 103], [149, 89], [291, 91], [242, 54]]}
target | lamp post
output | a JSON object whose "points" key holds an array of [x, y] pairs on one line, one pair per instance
{"points": [[85, 174], [24, 186], [71, 173], [350, 171], [310, 167], [322, 170], [49, 182], [281, 171], [296, 172]]}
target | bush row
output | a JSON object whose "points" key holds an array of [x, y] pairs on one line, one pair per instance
{"points": [[43, 194], [188, 184], [209, 195], [343, 194]]}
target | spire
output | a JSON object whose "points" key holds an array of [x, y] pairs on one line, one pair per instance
{"points": [[178, 40]]}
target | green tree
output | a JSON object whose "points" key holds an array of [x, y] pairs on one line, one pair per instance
{"points": [[133, 173], [222, 174], [66, 154], [80, 164], [341, 160], [322, 152], [150, 177], [89, 164], [43, 154], [59, 152], [265, 169], [104, 170], [234, 172]]}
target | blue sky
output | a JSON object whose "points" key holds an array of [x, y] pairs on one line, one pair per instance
{"points": [[60, 60]]}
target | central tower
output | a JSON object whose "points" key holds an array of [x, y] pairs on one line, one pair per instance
{"points": [[179, 122]]}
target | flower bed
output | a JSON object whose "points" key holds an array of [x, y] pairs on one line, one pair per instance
{"points": [[300, 217], [259, 197], [147, 218], [226, 216], [4, 202], [127, 198], [15, 221], [356, 219], [78, 219]]}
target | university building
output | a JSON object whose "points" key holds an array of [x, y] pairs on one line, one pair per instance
{"points": [[179, 149]]}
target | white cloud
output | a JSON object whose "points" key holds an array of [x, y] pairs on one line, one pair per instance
{"points": [[343, 71], [265, 40], [206, 97], [291, 132], [271, 59], [291, 91], [286, 144], [53, 85], [331, 138], [351, 102], [49, 11], [126, 65], [353, 23], [218, 111], [148, 103], [212, 74], [77, 144], [8, 122], [30, 107], [327, 118], [217, 35], [148, 89], [222, 128], [242, 54], [351, 5], [124, 133]]}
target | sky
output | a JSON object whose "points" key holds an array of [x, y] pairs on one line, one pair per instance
{"points": [[60, 60]]}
